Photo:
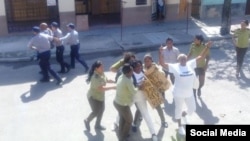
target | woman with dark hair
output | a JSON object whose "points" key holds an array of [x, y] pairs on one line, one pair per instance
{"points": [[196, 48], [96, 94], [241, 44]]}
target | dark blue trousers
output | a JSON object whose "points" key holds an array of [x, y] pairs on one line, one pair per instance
{"points": [[74, 54]]}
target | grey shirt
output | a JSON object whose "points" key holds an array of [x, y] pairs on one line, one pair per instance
{"points": [[72, 38], [170, 56], [41, 41]]}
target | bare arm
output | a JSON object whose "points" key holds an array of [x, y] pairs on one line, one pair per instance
{"points": [[161, 59], [204, 52]]}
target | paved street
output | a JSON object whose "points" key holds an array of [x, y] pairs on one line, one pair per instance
{"points": [[34, 111]]}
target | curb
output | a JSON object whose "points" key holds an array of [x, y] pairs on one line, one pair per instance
{"points": [[101, 53]]}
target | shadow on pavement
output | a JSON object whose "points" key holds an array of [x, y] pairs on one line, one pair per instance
{"points": [[169, 109], [99, 136], [205, 113], [37, 91], [178, 137], [243, 81]]}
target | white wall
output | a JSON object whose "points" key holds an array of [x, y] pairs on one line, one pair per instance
{"points": [[2, 8], [66, 5]]}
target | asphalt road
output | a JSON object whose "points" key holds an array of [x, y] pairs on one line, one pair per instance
{"points": [[34, 111]]}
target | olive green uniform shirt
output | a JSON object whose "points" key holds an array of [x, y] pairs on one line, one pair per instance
{"points": [[118, 64], [125, 91], [97, 80], [195, 51], [242, 37]]}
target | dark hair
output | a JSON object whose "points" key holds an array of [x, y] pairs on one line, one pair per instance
{"points": [[127, 57], [95, 65], [126, 68], [135, 63], [54, 24], [36, 29], [199, 37], [169, 39], [246, 22], [71, 25]]}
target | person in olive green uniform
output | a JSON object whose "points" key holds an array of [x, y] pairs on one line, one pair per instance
{"points": [[196, 48], [125, 92], [241, 44], [96, 94]]}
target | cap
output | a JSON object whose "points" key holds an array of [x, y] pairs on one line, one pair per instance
{"points": [[36, 29], [54, 24], [71, 25]]}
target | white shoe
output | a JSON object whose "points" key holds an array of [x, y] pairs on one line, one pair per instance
{"points": [[182, 131], [184, 120], [154, 138]]}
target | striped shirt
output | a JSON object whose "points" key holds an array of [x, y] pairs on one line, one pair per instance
{"points": [[72, 38], [170, 56], [41, 41]]}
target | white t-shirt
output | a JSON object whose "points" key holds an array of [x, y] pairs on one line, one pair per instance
{"points": [[184, 78], [139, 96]]}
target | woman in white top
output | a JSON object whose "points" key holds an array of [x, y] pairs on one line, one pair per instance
{"points": [[140, 99], [183, 87]]}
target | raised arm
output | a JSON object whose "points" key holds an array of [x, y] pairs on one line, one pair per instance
{"points": [[161, 59], [204, 52]]}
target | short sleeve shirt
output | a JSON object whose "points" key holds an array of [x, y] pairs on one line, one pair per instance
{"points": [[184, 78], [195, 51], [97, 81], [242, 37]]}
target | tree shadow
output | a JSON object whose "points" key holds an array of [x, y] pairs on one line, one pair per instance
{"points": [[205, 113], [243, 81], [99, 136], [37, 91]]}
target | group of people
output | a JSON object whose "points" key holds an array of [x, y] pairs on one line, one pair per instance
{"points": [[45, 39], [134, 78]]}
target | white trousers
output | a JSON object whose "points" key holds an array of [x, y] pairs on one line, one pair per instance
{"points": [[141, 103], [179, 101]]}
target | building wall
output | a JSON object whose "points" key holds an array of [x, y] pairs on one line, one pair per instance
{"points": [[3, 19], [141, 14], [66, 13], [213, 9]]}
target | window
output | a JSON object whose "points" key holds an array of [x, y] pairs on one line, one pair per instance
{"points": [[141, 2]]}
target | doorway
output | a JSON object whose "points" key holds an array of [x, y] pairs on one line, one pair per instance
{"points": [[100, 12], [195, 12], [247, 11]]}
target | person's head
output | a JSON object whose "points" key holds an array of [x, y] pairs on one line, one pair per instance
{"points": [[198, 39], [54, 25], [97, 67], [35, 29], [71, 26], [128, 56], [148, 60], [43, 26], [127, 70], [182, 59], [244, 24], [169, 42], [137, 66]]}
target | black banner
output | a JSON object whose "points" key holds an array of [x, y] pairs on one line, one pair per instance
{"points": [[198, 132]]}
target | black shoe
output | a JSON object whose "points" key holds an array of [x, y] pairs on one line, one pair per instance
{"points": [[44, 80], [59, 82], [87, 126], [134, 128], [100, 127], [67, 69], [164, 124]]}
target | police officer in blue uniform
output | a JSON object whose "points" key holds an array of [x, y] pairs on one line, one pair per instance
{"points": [[41, 43], [72, 38], [65, 67]]}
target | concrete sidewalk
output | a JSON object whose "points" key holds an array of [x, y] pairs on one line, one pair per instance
{"points": [[116, 39]]}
